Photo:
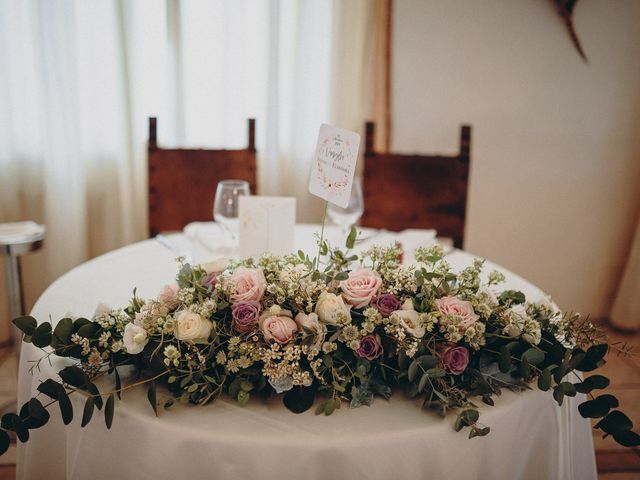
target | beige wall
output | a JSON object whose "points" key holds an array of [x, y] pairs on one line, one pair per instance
{"points": [[555, 181]]}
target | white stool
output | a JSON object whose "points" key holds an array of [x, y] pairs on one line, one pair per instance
{"points": [[17, 239]]}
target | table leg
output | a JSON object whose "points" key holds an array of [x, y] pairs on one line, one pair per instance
{"points": [[14, 286]]}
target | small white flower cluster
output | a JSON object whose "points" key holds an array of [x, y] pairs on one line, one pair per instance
{"points": [[400, 280], [83, 342], [282, 366], [454, 330], [484, 302], [205, 309], [171, 356], [112, 320], [241, 354], [427, 254], [296, 285], [152, 317], [517, 322], [186, 296]]}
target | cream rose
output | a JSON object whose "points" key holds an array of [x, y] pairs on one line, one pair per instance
{"points": [[459, 308], [276, 324], [249, 284], [190, 326], [168, 296], [134, 338], [361, 286], [310, 325], [331, 309], [216, 266], [409, 319]]}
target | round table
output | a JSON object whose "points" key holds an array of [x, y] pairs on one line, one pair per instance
{"points": [[531, 437]]}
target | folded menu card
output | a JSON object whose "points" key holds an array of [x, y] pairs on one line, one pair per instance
{"points": [[266, 225]]}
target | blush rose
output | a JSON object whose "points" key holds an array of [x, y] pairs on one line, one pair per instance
{"points": [[249, 285], [276, 324], [458, 307], [361, 286]]}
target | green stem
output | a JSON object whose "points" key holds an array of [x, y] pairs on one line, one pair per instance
{"points": [[324, 218]]}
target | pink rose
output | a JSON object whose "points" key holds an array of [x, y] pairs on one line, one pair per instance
{"points": [[360, 287], [168, 296], [455, 360], [249, 285], [276, 324], [459, 308]]}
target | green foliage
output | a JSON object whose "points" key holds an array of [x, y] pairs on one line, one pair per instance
{"points": [[26, 324], [87, 413], [299, 399], [152, 396], [598, 407], [108, 411], [5, 441], [351, 239], [594, 382]]}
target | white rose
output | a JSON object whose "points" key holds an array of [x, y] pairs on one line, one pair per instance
{"points": [[135, 338], [216, 266], [409, 319], [331, 309], [191, 326], [310, 325]]}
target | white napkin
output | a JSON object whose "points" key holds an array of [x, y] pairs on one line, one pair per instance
{"points": [[205, 241], [409, 239], [18, 232]]}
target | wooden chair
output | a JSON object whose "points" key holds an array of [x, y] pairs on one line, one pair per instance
{"points": [[417, 191], [182, 182]]}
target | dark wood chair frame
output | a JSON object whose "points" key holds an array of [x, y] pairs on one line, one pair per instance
{"points": [[417, 191], [182, 181]]}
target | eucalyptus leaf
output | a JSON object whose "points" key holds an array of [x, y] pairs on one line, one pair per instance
{"points": [[42, 336], [5, 441], [87, 413], [74, 376], [351, 239], [66, 409], [504, 362], [614, 422], [27, 324], [151, 396], [626, 438], [594, 382], [533, 356], [544, 380], [108, 411], [299, 399]]}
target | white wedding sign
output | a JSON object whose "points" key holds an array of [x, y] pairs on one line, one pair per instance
{"points": [[266, 225], [334, 165]]}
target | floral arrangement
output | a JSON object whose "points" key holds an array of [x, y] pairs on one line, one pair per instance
{"points": [[332, 330]]}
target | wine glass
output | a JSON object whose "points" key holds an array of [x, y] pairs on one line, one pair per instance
{"points": [[225, 208], [346, 217]]}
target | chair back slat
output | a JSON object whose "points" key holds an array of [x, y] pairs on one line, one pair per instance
{"points": [[182, 182], [417, 191]]}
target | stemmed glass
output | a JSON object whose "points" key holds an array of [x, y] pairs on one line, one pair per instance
{"points": [[225, 208], [346, 217]]}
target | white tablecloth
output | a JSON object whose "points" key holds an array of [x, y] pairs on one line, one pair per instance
{"points": [[531, 437]]}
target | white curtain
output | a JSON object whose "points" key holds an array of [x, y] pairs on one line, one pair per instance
{"points": [[78, 80]]}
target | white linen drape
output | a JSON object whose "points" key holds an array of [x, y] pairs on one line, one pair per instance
{"points": [[78, 80]]}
